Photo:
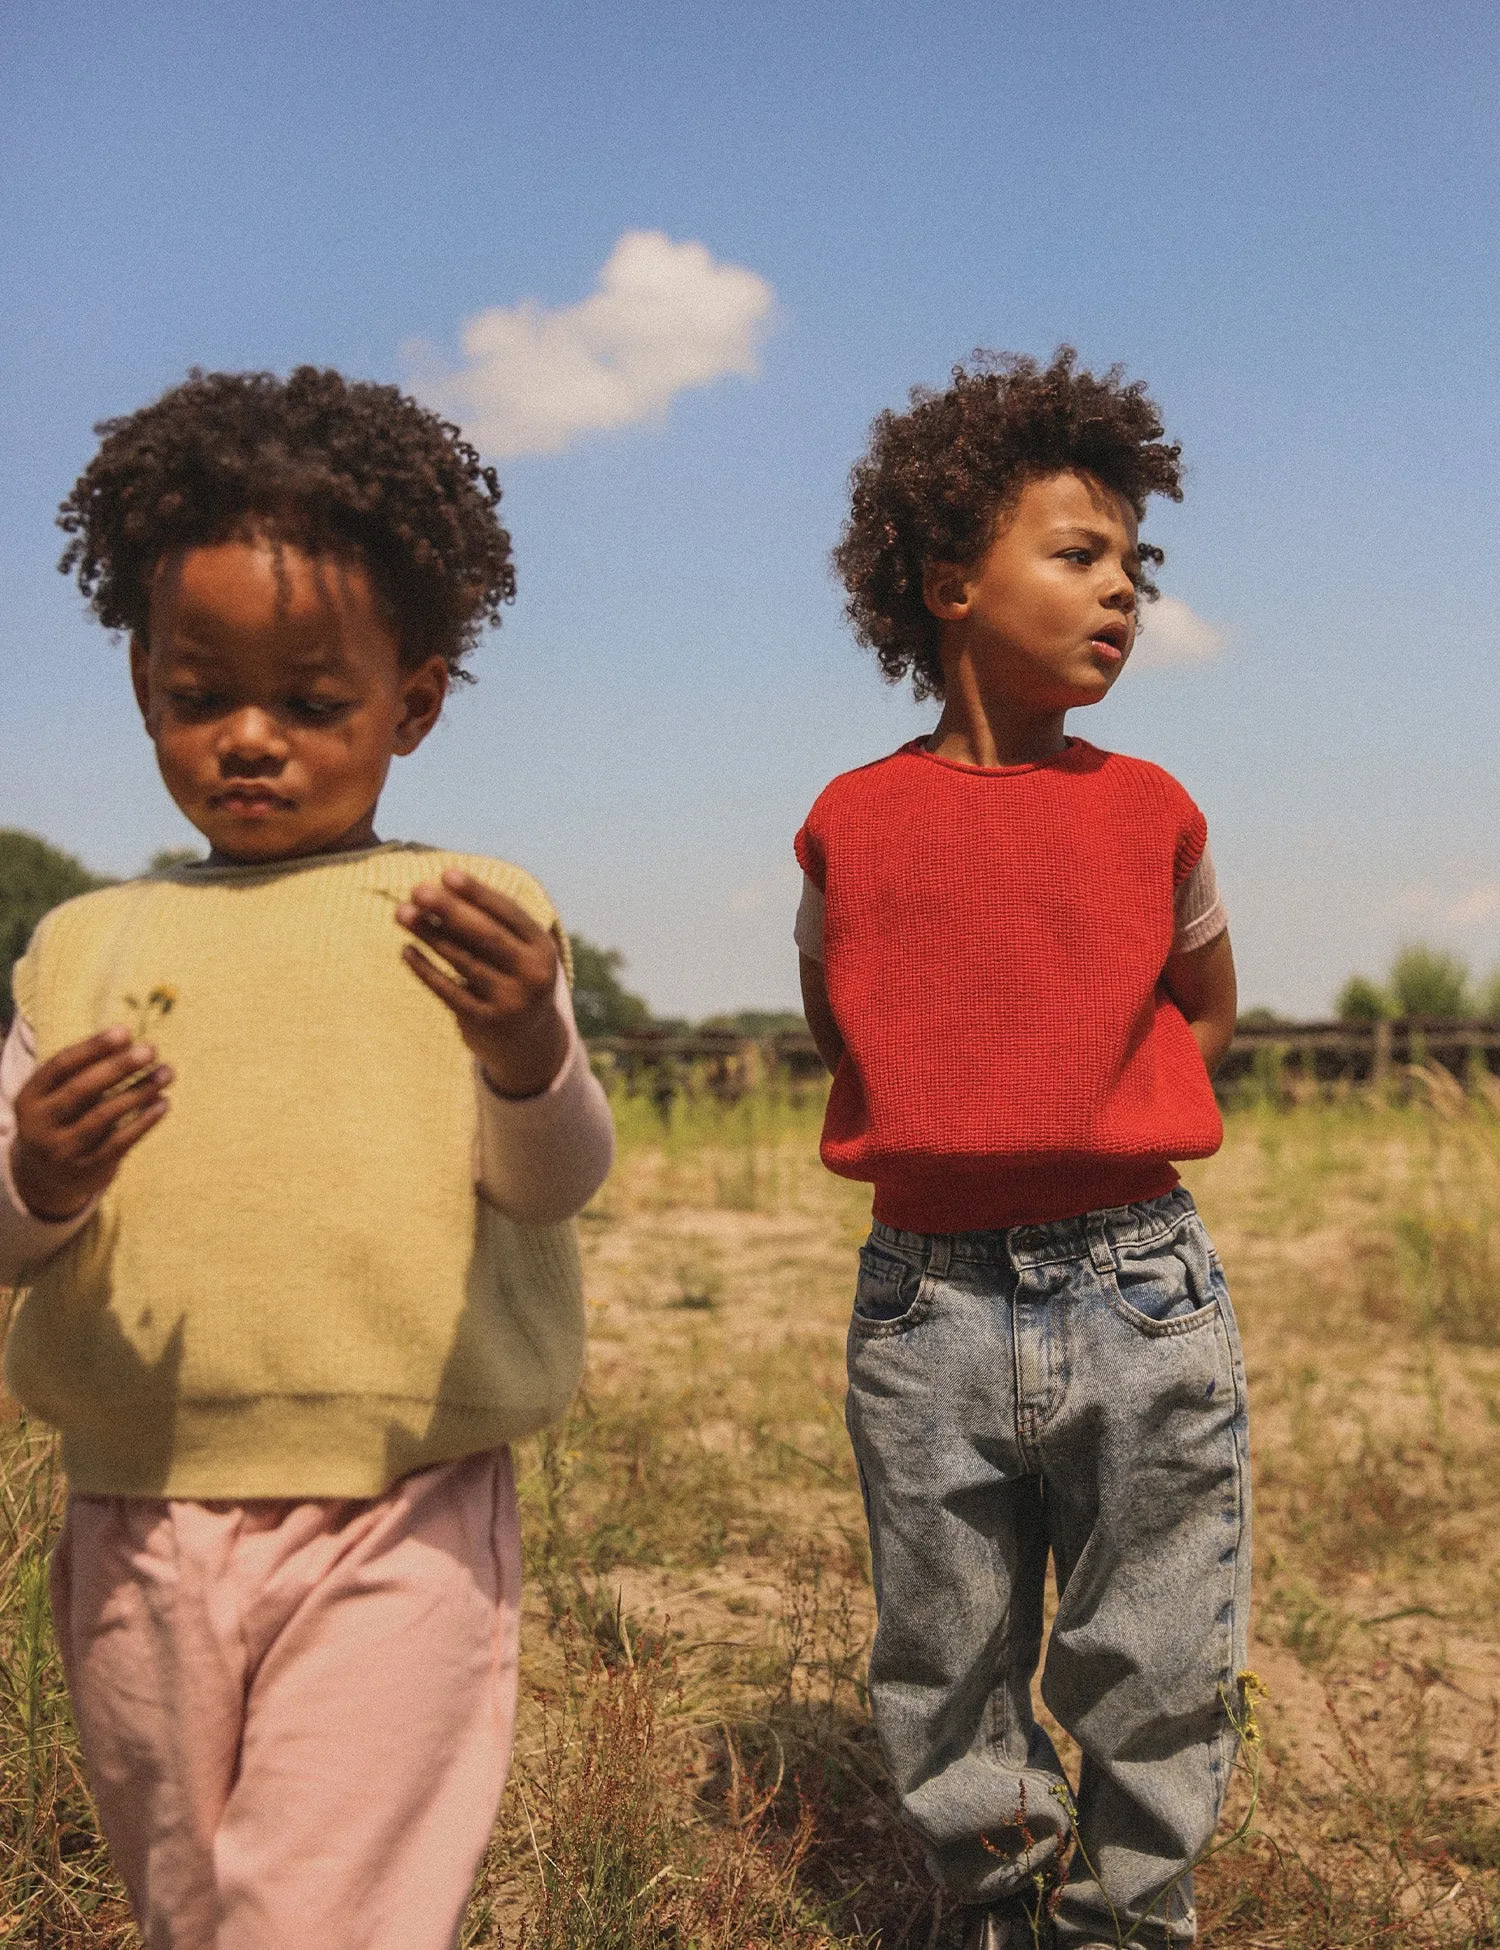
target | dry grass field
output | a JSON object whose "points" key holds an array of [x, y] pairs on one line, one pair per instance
{"points": [[695, 1766]]}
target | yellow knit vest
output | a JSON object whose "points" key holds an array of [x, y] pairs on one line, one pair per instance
{"points": [[292, 1288]]}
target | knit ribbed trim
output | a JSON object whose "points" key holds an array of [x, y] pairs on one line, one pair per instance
{"points": [[1070, 759], [292, 1446], [192, 872], [1014, 1192]]}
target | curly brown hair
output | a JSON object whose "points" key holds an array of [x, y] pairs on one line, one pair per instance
{"points": [[347, 468], [934, 481]]}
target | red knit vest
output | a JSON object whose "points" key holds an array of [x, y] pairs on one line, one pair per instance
{"points": [[994, 942]]}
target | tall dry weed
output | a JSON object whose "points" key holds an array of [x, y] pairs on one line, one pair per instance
{"points": [[1449, 1269], [631, 1850], [56, 1885], [1381, 1861], [601, 1830]]}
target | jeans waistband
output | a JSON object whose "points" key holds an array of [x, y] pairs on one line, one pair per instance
{"points": [[1089, 1236]]}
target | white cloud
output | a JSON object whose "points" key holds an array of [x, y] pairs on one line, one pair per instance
{"points": [[1170, 633], [775, 889], [1469, 907], [1479, 905], [664, 316]]}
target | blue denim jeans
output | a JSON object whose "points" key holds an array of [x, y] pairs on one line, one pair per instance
{"points": [[1075, 1388]]}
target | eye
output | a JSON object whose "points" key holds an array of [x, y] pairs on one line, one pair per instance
{"points": [[317, 710], [195, 704], [1083, 555]]}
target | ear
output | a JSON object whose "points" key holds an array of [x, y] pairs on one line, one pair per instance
{"points": [[423, 692], [946, 590], [140, 677]]}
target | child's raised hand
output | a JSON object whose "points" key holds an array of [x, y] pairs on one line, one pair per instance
{"points": [[505, 1000], [77, 1115]]}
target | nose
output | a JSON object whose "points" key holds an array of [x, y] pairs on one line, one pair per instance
{"points": [[1121, 593], [251, 743]]}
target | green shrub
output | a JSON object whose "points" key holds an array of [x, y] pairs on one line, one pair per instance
{"points": [[1361, 1000], [33, 878], [1429, 982]]}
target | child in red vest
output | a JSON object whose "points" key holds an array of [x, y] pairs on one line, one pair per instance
{"points": [[1015, 962]]}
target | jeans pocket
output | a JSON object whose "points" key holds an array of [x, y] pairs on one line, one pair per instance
{"points": [[891, 1292], [1168, 1285]]}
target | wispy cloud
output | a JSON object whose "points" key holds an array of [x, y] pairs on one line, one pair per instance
{"points": [[664, 317], [1171, 633], [773, 890], [1473, 906]]}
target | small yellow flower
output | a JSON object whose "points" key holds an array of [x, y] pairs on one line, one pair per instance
{"points": [[160, 1002], [1253, 1689]]}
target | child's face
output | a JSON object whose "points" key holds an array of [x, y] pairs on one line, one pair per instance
{"points": [[1046, 617], [273, 691]]}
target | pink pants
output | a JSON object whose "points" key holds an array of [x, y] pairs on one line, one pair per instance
{"points": [[297, 1717]]}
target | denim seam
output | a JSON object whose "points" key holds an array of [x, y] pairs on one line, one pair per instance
{"points": [[898, 1324], [1161, 1330], [1024, 1423], [1115, 1232], [1226, 1742], [1179, 1324], [874, 1328]]}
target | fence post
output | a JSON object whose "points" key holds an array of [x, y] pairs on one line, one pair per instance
{"points": [[1380, 1064]]}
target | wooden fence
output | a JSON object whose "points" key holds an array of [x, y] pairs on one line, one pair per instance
{"points": [[1362, 1052], [1278, 1054]]}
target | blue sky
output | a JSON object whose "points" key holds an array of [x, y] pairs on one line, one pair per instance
{"points": [[1283, 217]]}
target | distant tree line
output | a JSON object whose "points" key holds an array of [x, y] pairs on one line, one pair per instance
{"points": [[605, 1007], [602, 1004], [1422, 981], [33, 878]]}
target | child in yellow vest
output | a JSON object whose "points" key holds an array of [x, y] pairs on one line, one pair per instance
{"points": [[294, 1220]]}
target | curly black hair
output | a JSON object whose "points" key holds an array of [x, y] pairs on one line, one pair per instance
{"points": [[935, 480], [316, 460]]}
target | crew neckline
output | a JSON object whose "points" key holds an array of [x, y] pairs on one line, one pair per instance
{"points": [[295, 863], [1065, 760]]}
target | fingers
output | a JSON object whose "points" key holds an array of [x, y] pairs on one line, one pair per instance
{"points": [[72, 1123], [120, 1109], [498, 976], [460, 999], [65, 1183], [500, 907], [77, 1057], [481, 933], [127, 1132], [70, 1139], [483, 917], [66, 1091], [478, 976]]}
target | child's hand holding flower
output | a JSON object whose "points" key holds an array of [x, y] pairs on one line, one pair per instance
{"points": [[505, 997], [78, 1114]]}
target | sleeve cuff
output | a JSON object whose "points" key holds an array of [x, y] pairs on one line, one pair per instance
{"points": [[807, 930], [540, 1159], [1204, 928]]}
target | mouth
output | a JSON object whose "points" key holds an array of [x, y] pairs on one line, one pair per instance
{"points": [[1113, 640], [250, 802]]}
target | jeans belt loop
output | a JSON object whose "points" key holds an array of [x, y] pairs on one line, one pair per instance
{"points": [[1100, 1251], [939, 1253]]}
